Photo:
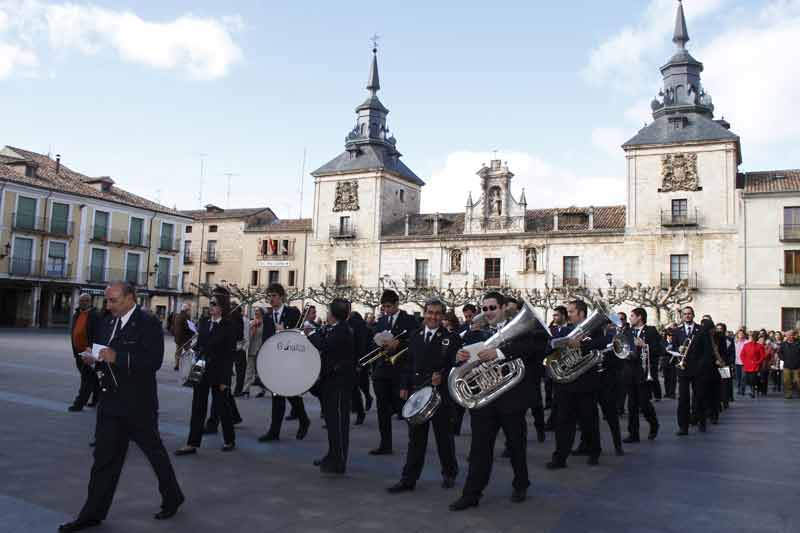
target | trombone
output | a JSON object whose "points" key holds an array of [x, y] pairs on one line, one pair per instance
{"points": [[380, 352]]}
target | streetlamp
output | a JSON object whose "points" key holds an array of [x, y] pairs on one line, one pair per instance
{"points": [[609, 279]]}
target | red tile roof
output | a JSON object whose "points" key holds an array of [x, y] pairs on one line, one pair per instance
{"points": [[772, 181]]}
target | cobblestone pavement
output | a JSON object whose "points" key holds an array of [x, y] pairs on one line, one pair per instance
{"points": [[742, 476]]}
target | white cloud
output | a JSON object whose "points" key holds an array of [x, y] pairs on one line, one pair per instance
{"points": [[15, 58], [201, 47], [610, 140], [545, 184]]}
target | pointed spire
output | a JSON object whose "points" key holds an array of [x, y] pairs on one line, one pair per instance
{"points": [[469, 200], [374, 84], [681, 36], [522, 199]]}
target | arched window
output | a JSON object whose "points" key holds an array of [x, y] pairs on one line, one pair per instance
{"points": [[455, 260], [495, 201], [530, 259]]}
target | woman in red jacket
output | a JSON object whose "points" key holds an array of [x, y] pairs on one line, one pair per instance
{"points": [[753, 355]]}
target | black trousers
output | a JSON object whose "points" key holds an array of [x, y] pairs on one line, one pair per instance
{"points": [[697, 399], [112, 437], [486, 422], [336, 397], [279, 410], [387, 396], [240, 364], [607, 398], [213, 418], [548, 392], [90, 386], [458, 418], [200, 408], [670, 377], [655, 387], [639, 399], [714, 403], [536, 405], [573, 408], [442, 423], [361, 386]]}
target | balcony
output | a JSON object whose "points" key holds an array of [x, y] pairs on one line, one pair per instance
{"points": [[103, 234], [669, 280], [211, 257], [679, 219], [346, 231], [54, 269], [276, 257], [790, 233], [169, 245], [188, 257], [419, 282], [340, 281], [166, 283], [789, 279], [577, 280], [105, 275], [25, 222], [49, 269]]}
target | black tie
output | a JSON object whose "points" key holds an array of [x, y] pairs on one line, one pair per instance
{"points": [[114, 330], [277, 318], [428, 336], [391, 322]]}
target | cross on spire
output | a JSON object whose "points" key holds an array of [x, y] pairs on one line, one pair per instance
{"points": [[375, 38]]}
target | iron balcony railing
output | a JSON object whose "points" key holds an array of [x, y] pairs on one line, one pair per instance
{"points": [[49, 268], [53, 226], [789, 279], [105, 235], [576, 280], [106, 275], [166, 244], [343, 231], [671, 279], [211, 257], [670, 218], [166, 282], [790, 232], [340, 281], [188, 257]]}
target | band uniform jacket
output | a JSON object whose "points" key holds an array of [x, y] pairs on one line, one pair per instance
{"points": [[361, 336], [94, 327], [140, 351], [699, 356], [679, 334], [590, 380], [438, 355], [382, 369], [290, 316], [336, 345], [633, 372], [217, 345]]}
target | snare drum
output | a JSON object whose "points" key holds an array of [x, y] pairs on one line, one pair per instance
{"points": [[421, 406]]}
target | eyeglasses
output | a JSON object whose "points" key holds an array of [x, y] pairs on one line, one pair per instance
{"points": [[489, 308], [213, 304]]}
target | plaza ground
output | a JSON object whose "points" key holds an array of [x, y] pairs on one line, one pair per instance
{"points": [[742, 476]]}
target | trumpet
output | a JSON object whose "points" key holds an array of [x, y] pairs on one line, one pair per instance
{"points": [[380, 353], [393, 359], [303, 315], [681, 353]]}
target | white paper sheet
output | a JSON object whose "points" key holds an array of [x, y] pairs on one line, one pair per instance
{"points": [[96, 350]]}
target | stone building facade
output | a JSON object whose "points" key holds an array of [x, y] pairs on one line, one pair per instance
{"points": [[689, 216]]}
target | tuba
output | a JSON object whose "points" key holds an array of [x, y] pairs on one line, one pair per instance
{"points": [[568, 364], [476, 384]]}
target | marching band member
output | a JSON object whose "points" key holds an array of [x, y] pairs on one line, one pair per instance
{"points": [[577, 401], [635, 375], [432, 351], [128, 411], [698, 363], [279, 318], [506, 412], [386, 376], [336, 344], [361, 341], [216, 344]]}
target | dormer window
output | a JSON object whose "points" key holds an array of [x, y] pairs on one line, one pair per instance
{"points": [[30, 171], [573, 219]]}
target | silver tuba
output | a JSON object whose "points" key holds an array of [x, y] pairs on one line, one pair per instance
{"points": [[475, 384], [568, 364]]}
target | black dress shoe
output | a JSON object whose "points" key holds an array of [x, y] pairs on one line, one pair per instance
{"points": [[268, 437], [593, 460], [619, 452], [291, 416], [261, 394], [448, 483], [519, 495], [381, 451], [92, 403], [74, 408], [302, 431], [78, 525], [653, 432], [682, 432], [167, 512], [229, 447], [338, 470], [555, 465], [400, 486], [320, 462], [360, 418], [541, 436], [186, 450], [630, 439], [580, 451], [209, 431], [464, 502]]}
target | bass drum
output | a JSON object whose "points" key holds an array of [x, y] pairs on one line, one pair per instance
{"points": [[288, 364]]}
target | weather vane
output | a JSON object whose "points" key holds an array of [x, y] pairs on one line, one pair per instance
{"points": [[375, 38]]}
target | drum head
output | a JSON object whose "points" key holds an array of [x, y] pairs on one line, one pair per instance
{"points": [[288, 364], [417, 401]]}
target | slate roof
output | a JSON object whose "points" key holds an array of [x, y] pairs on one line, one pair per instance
{"points": [[228, 214], [772, 181], [69, 181], [608, 218], [286, 224], [372, 157], [698, 128]]}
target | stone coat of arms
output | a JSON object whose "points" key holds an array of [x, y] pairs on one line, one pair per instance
{"points": [[346, 196], [679, 172]]}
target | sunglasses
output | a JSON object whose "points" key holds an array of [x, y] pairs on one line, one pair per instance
{"points": [[489, 308], [213, 304]]}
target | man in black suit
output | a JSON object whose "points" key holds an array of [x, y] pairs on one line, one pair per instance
{"points": [[506, 412], [361, 338], [469, 311], [559, 327], [279, 318], [645, 338], [216, 344], [698, 365], [336, 345], [86, 326], [128, 407], [386, 376], [432, 353], [680, 335], [577, 400]]}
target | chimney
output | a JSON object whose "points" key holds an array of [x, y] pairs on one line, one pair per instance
{"points": [[436, 224], [591, 218], [407, 217], [58, 162], [555, 221]]}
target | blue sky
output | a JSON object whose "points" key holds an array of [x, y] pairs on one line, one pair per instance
{"points": [[138, 90]]}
